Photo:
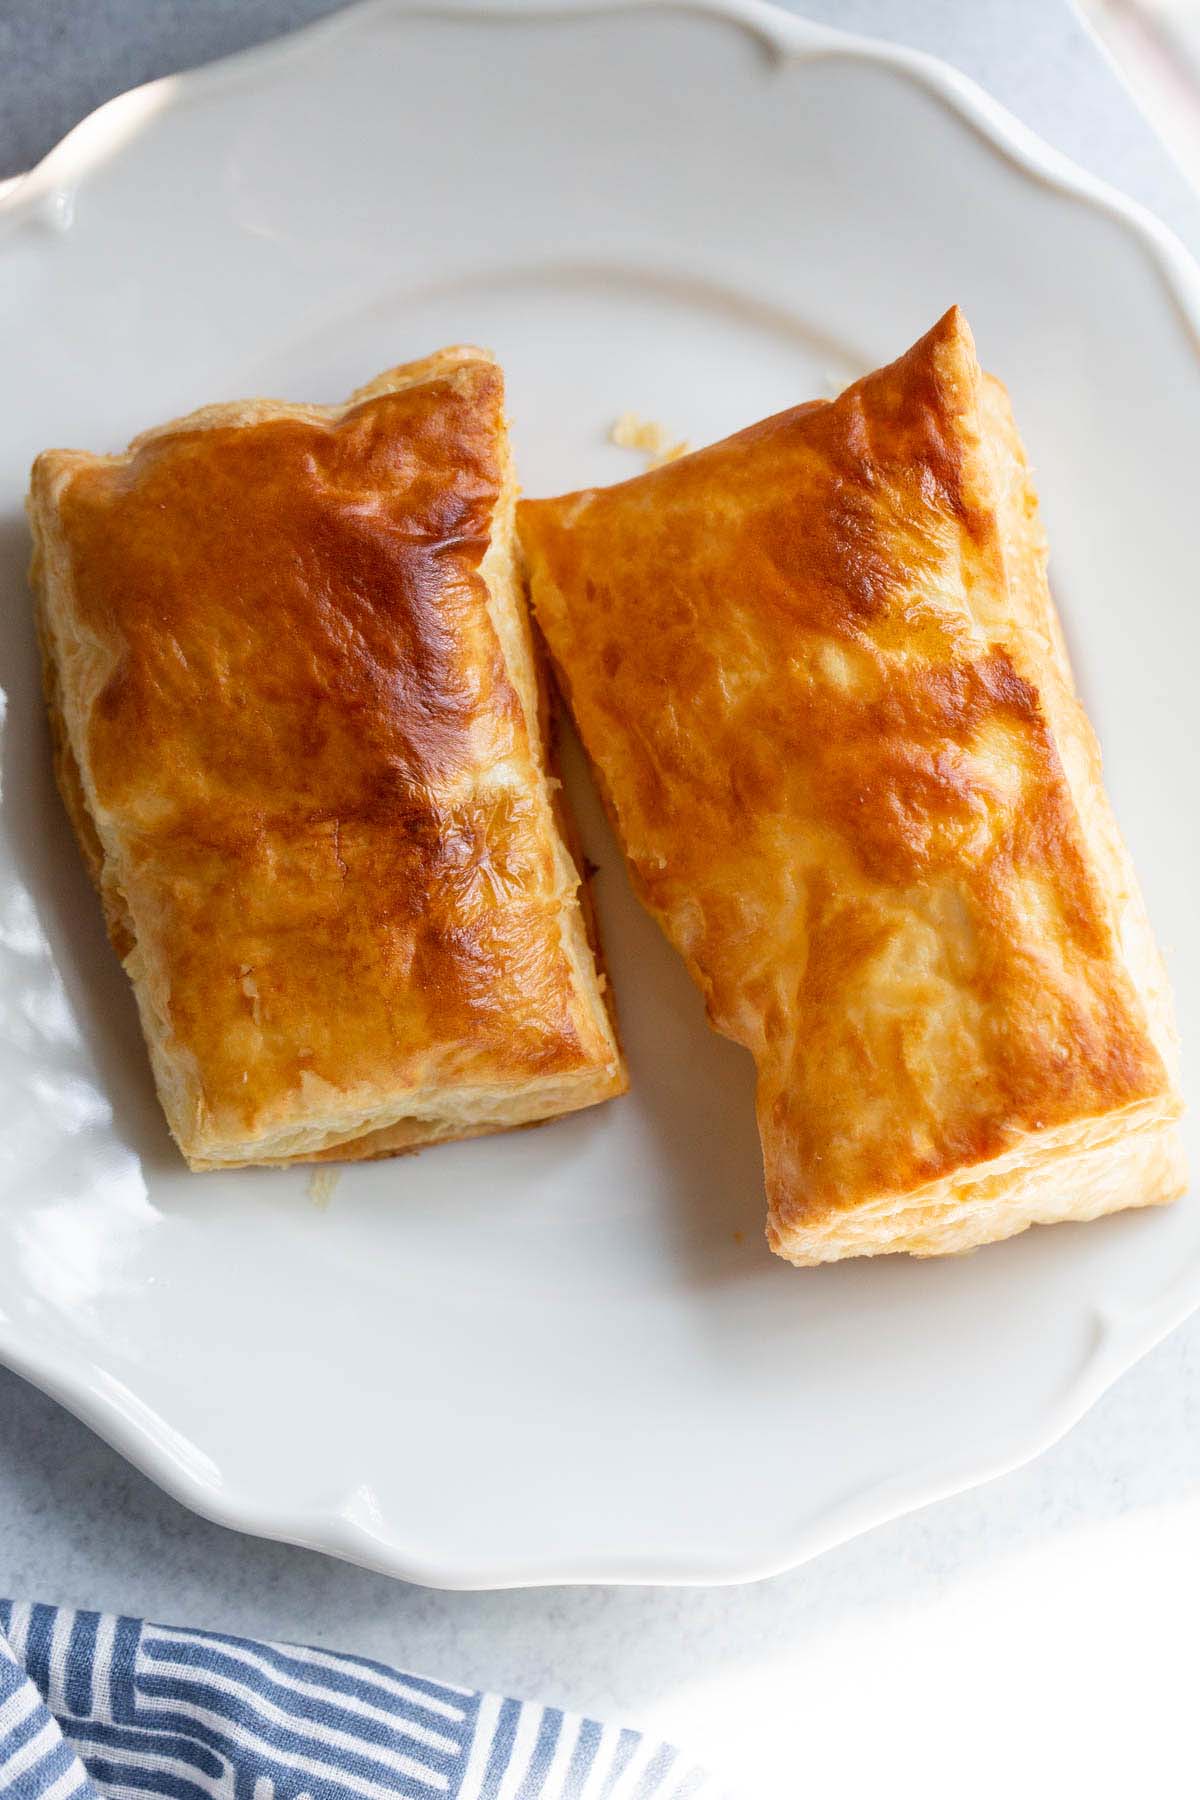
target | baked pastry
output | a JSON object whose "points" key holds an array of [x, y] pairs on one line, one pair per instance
{"points": [[819, 673], [300, 734]]}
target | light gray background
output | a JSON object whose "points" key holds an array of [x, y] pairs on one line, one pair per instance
{"points": [[1037, 1627]]}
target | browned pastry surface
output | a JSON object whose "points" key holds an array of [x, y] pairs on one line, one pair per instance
{"points": [[818, 671], [299, 736]]}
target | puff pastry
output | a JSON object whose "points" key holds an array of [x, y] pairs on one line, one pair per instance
{"points": [[299, 730], [820, 675]]}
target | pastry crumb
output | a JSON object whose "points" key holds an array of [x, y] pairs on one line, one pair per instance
{"points": [[632, 432], [321, 1184], [249, 987], [836, 381]]}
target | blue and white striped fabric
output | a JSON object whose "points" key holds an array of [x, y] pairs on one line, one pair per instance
{"points": [[94, 1705]]}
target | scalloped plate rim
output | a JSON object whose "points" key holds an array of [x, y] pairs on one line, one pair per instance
{"points": [[71, 1380]]}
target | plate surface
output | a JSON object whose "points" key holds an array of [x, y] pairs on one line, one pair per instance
{"points": [[567, 1355]]}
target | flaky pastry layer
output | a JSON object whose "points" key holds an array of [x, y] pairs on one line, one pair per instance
{"points": [[299, 728], [819, 673]]}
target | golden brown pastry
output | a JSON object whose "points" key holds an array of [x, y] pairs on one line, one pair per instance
{"points": [[820, 676], [299, 732]]}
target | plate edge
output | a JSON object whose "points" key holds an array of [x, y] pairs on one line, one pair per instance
{"points": [[1118, 1345]]}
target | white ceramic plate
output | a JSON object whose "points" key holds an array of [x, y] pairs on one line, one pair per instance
{"points": [[566, 1355]]}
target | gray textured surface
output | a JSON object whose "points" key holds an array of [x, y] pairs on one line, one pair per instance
{"points": [[1062, 1554]]}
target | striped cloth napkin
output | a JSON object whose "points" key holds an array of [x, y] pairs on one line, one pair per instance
{"points": [[93, 1705]]}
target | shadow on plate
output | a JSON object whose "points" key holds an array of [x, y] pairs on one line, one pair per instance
{"points": [[691, 1091], [49, 865]]}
